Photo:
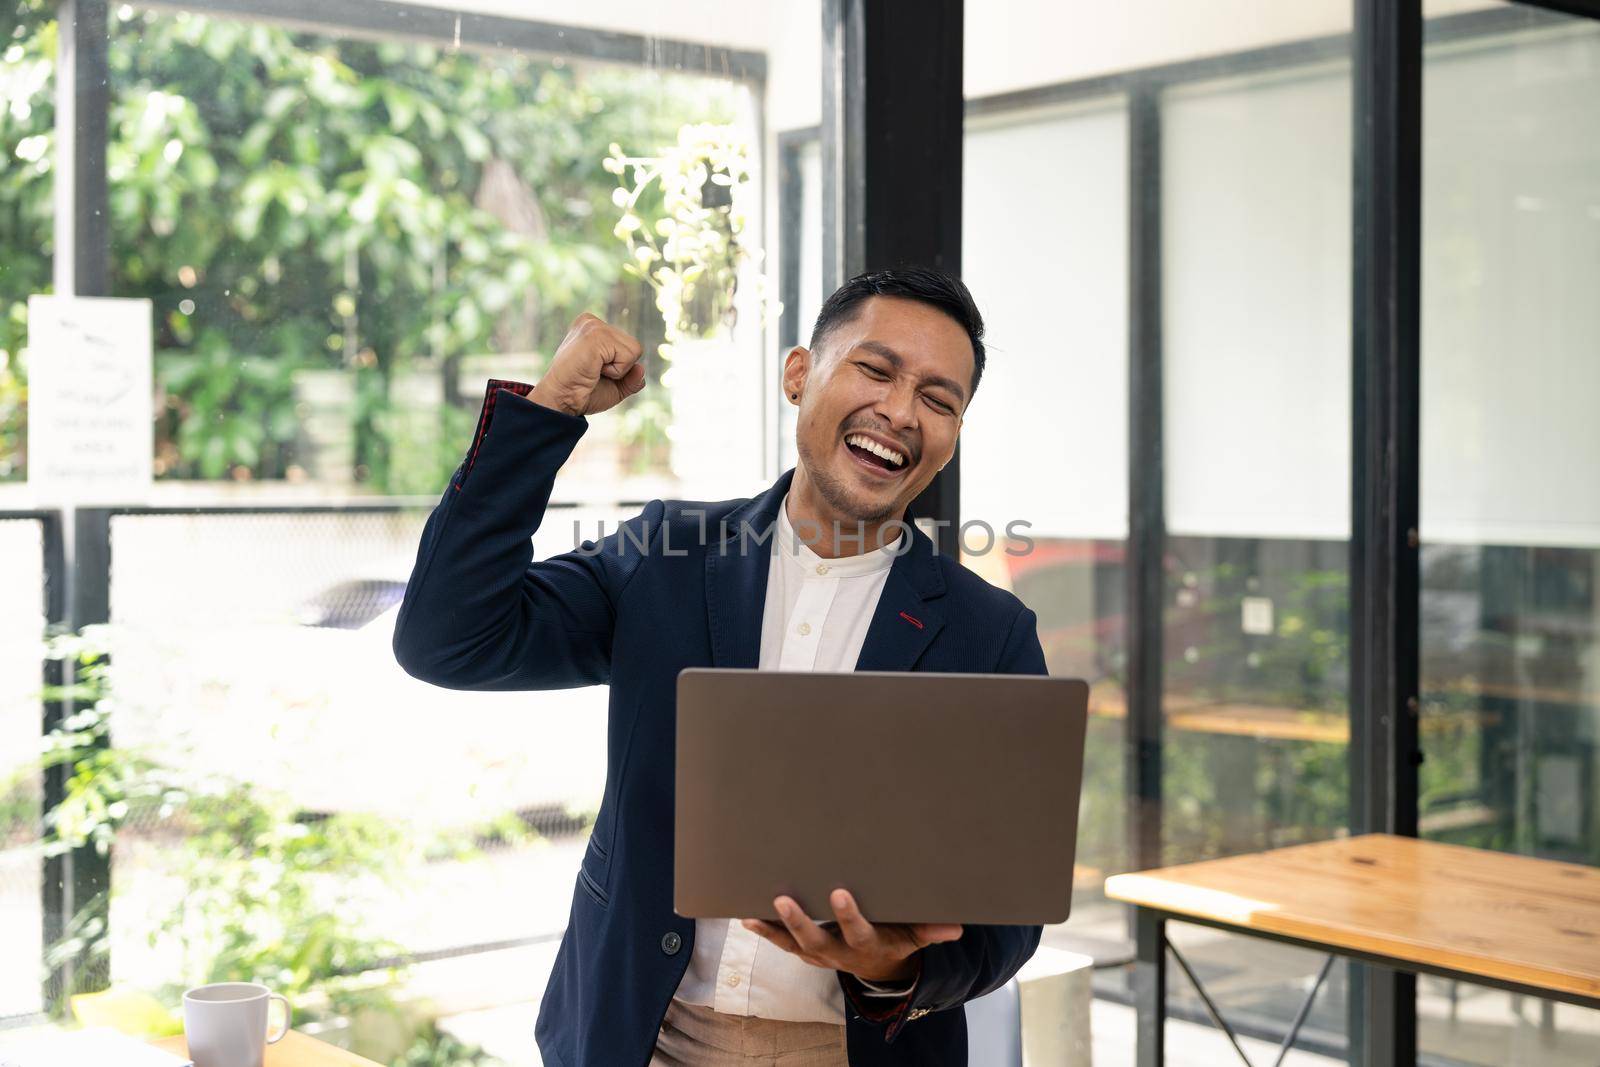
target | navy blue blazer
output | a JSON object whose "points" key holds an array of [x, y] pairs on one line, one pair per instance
{"points": [[631, 611]]}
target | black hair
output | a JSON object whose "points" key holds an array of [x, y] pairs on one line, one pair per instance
{"points": [[928, 285]]}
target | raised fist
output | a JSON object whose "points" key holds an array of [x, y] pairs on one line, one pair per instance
{"points": [[595, 367]]}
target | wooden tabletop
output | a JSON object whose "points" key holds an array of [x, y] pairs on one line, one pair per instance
{"points": [[1489, 914], [1187, 715], [295, 1050]]}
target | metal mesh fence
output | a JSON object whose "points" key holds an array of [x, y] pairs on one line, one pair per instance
{"points": [[251, 651], [21, 658]]}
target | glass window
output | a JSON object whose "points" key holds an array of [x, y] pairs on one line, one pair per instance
{"points": [[22, 625], [344, 238], [1510, 504], [344, 234], [284, 698], [1256, 282], [1045, 199], [1256, 343]]}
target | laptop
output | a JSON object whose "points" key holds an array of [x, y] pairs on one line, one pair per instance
{"points": [[931, 797]]}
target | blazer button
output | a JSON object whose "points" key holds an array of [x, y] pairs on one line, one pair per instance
{"points": [[671, 942]]}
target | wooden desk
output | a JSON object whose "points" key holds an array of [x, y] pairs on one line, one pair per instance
{"points": [[1265, 722], [1526, 925], [1188, 715], [295, 1050]]}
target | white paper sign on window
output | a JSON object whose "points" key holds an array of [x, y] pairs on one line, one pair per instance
{"points": [[90, 417]]}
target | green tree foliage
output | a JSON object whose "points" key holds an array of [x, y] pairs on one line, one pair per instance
{"points": [[27, 116], [290, 201]]}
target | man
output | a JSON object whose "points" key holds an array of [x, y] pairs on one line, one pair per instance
{"points": [[820, 572]]}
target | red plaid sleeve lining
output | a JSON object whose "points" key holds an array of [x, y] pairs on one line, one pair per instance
{"points": [[881, 1009], [495, 384]]}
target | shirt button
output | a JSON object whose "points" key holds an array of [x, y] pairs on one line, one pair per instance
{"points": [[822, 568], [803, 629], [671, 942], [733, 981]]}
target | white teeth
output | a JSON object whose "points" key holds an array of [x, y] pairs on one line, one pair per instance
{"points": [[876, 449]]}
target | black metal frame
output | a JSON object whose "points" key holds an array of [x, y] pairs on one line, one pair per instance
{"points": [[82, 222], [82, 267], [1144, 574], [892, 137], [1385, 477], [88, 583], [791, 197]]}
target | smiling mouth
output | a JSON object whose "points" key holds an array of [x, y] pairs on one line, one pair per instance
{"points": [[871, 454]]}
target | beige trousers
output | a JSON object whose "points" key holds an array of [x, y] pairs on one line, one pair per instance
{"points": [[692, 1036]]}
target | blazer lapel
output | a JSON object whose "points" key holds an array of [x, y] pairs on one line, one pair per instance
{"points": [[737, 563], [906, 619]]}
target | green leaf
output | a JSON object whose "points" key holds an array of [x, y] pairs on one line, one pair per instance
{"points": [[473, 143], [401, 106]]}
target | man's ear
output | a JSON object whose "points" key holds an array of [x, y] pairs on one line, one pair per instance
{"points": [[796, 365]]}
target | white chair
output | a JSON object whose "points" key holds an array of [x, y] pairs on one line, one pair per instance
{"points": [[994, 1028], [1053, 991]]}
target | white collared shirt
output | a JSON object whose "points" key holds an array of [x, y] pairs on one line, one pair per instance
{"points": [[815, 619]]}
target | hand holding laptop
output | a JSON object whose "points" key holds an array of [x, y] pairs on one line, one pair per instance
{"points": [[875, 953]]}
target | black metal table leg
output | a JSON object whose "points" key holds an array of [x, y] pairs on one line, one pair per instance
{"points": [[1150, 986], [1304, 1012], [1211, 1007]]}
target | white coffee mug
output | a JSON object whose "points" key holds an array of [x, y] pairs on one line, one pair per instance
{"points": [[225, 1023]]}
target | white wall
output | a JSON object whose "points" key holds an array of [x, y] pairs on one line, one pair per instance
{"points": [[794, 65], [1256, 281], [1016, 44], [732, 23], [1044, 250], [1511, 269]]}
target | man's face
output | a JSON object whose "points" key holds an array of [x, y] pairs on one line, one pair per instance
{"points": [[895, 378]]}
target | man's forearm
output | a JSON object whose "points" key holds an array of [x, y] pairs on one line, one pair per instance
{"points": [[477, 543], [476, 615]]}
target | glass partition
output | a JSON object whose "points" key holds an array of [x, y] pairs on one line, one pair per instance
{"points": [[1256, 368], [1510, 504], [1044, 443]]}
